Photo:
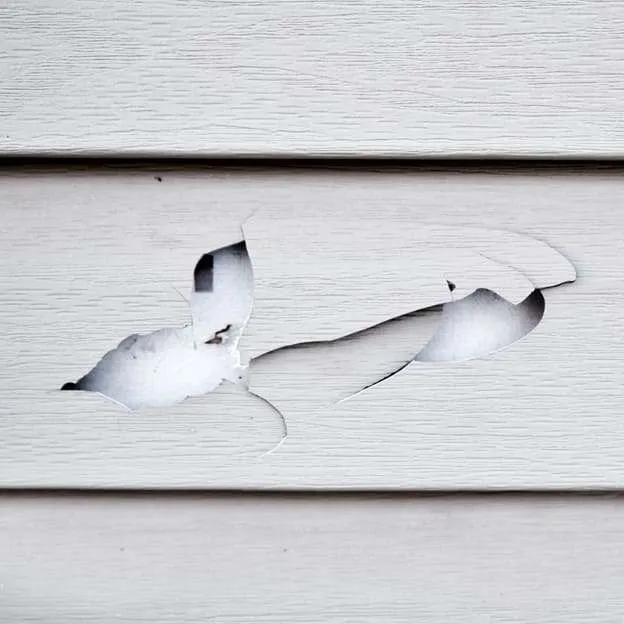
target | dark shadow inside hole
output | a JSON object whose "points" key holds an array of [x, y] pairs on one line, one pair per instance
{"points": [[207, 269], [203, 275]]}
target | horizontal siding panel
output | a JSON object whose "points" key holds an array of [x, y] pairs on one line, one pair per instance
{"points": [[90, 258], [305, 560], [389, 78]]}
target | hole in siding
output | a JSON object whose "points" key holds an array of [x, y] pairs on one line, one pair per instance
{"points": [[166, 366], [475, 326], [203, 274], [480, 324], [171, 364]]}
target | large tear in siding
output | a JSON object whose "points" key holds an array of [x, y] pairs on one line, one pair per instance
{"points": [[171, 364], [320, 279], [330, 309]]}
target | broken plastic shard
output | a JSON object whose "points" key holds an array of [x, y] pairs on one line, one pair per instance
{"points": [[324, 372]]}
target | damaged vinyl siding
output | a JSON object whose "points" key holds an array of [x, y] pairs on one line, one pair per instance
{"points": [[343, 276], [340, 302], [369, 288]]}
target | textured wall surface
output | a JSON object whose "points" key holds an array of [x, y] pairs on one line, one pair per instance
{"points": [[325, 77], [90, 258], [340, 560]]}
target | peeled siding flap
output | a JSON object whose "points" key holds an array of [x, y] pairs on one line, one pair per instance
{"points": [[319, 278]]}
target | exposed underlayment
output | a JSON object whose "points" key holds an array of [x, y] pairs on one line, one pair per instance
{"points": [[460, 294]]}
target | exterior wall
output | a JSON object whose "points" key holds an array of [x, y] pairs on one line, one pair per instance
{"points": [[92, 254]]}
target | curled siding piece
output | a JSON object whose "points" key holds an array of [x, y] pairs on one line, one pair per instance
{"points": [[318, 279]]}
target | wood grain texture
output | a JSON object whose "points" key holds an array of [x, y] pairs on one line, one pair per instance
{"points": [[390, 78], [306, 560], [89, 258]]}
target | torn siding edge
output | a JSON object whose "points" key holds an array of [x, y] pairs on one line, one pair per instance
{"points": [[316, 307], [439, 272]]}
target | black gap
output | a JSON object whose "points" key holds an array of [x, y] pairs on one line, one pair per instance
{"points": [[204, 274], [477, 495], [461, 163]]}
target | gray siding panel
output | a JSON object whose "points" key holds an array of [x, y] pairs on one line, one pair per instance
{"points": [[242, 560], [390, 78], [91, 258]]}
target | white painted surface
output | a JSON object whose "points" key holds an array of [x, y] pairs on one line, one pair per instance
{"points": [[289, 77], [242, 560], [91, 258]]}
